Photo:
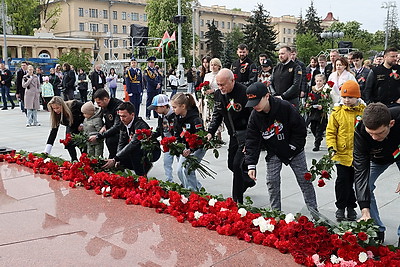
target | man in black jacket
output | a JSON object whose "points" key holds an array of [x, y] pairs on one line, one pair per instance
{"points": [[376, 147], [383, 81], [286, 78], [230, 101], [110, 130], [277, 126], [243, 68], [130, 153], [5, 78], [97, 78], [20, 94]]}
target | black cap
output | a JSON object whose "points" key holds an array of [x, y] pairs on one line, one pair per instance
{"points": [[266, 63], [255, 92], [152, 58]]}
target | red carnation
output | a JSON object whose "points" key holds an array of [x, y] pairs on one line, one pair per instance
{"points": [[330, 83], [321, 183], [362, 236], [324, 174], [307, 176], [311, 96], [309, 76], [206, 83]]}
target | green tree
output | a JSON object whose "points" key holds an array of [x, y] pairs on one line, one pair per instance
{"points": [[260, 35], [160, 15], [24, 16], [300, 27], [232, 40], [77, 59], [214, 40], [49, 13], [312, 21], [394, 38], [307, 46]]}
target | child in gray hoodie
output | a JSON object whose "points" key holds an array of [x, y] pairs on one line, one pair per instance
{"points": [[91, 126]]}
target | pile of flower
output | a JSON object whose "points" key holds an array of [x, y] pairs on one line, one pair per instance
{"points": [[309, 244]]}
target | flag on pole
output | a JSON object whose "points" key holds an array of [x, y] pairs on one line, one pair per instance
{"points": [[163, 41], [171, 39]]}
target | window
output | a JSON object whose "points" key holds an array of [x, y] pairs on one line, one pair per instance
{"points": [[202, 34], [202, 22], [106, 43], [241, 26], [288, 39], [284, 39], [106, 56], [234, 25], [105, 14], [284, 30], [94, 27], [222, 24], [144, 17], [289, 31], [93, 13], [124, 45], [80, 11], [123, 28], [115, 55], [201, 46], [208, 22], [123, 15], [115, 28], [115, 15], [294, 31], [228, 25], [135, 16], [216, 23], [82, 26], [105, 28], [115, 43]]}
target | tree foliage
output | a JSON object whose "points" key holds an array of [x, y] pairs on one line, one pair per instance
{"points": [[77, 59], [307, 46], [50, 13], [214, 41], [24, 16], [394, 38], [312, 22], [260, 35], [300, 27], [232, 40], [160, 19]]}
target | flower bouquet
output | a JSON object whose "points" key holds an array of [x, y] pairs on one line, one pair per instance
{"points": [[80, 140], [325, 100], [148, 143], [321, 169], [194, 141]]}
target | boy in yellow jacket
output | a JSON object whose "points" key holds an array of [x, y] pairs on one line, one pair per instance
{"points": [[339, 138]]}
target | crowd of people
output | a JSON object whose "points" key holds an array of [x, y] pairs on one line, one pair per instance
{"points": [[259, 106]]}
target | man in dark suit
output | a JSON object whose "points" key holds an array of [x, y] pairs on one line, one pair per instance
{"points": [[20, 94], [97, 78], [5, 83]]}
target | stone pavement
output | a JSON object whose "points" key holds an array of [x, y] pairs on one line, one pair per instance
{"points": [[37, 211]]}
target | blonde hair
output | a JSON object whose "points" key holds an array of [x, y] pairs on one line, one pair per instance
{"points": [[216, 61], [184, 99], [65, 111], [321, 76]]}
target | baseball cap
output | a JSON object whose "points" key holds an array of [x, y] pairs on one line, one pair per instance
{"points": [[158, 101], [266, 63], [255, 92]]}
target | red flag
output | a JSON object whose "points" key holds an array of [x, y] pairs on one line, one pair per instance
{"points": [[164, 40]]}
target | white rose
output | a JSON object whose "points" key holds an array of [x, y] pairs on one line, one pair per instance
{"points": [[197, 215], [362, 257], [47, 160], [166, 202], [184, 199], [242, 212], [289, 218], [335, 259], [212, 202], [223, 209]]}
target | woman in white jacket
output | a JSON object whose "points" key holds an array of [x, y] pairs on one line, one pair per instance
{"points": [[341, 73]]}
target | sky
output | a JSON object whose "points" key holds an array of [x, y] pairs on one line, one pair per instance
{"points": [[368, 12]]}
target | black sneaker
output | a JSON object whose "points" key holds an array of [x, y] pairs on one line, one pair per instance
{"points": [[380, 237], [340, 215], [351, 214], [315, 149], [398, 244]]}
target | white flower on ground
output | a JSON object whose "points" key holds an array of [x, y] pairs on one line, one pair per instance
{"points": [[108, 189], [184, 199], [315, 258], [335, 259], [223, 209], [242, 212], [362, 257], [47, 160], [289, 218], [197, 215], [212, 202], [166, 202], [265, 225]]}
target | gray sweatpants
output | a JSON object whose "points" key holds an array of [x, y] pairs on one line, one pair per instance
{"points": [[299, 167]]}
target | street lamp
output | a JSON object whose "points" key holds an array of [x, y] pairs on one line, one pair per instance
{"points": [[388, 6], [331, 35]]}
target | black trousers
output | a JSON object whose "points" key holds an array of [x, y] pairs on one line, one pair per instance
{"points": [[235, 163], [345, 196], [318, 128], [137, 163], [112, 145]]}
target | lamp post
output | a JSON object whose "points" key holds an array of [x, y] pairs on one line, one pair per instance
{"points": [[5, 54], [388, 6], [331, 35]]}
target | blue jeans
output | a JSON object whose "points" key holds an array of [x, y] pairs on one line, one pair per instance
{"points": [[5, 94], [375, 172], [113, 91], [190, 88], [168, 160], [190, 181]]}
